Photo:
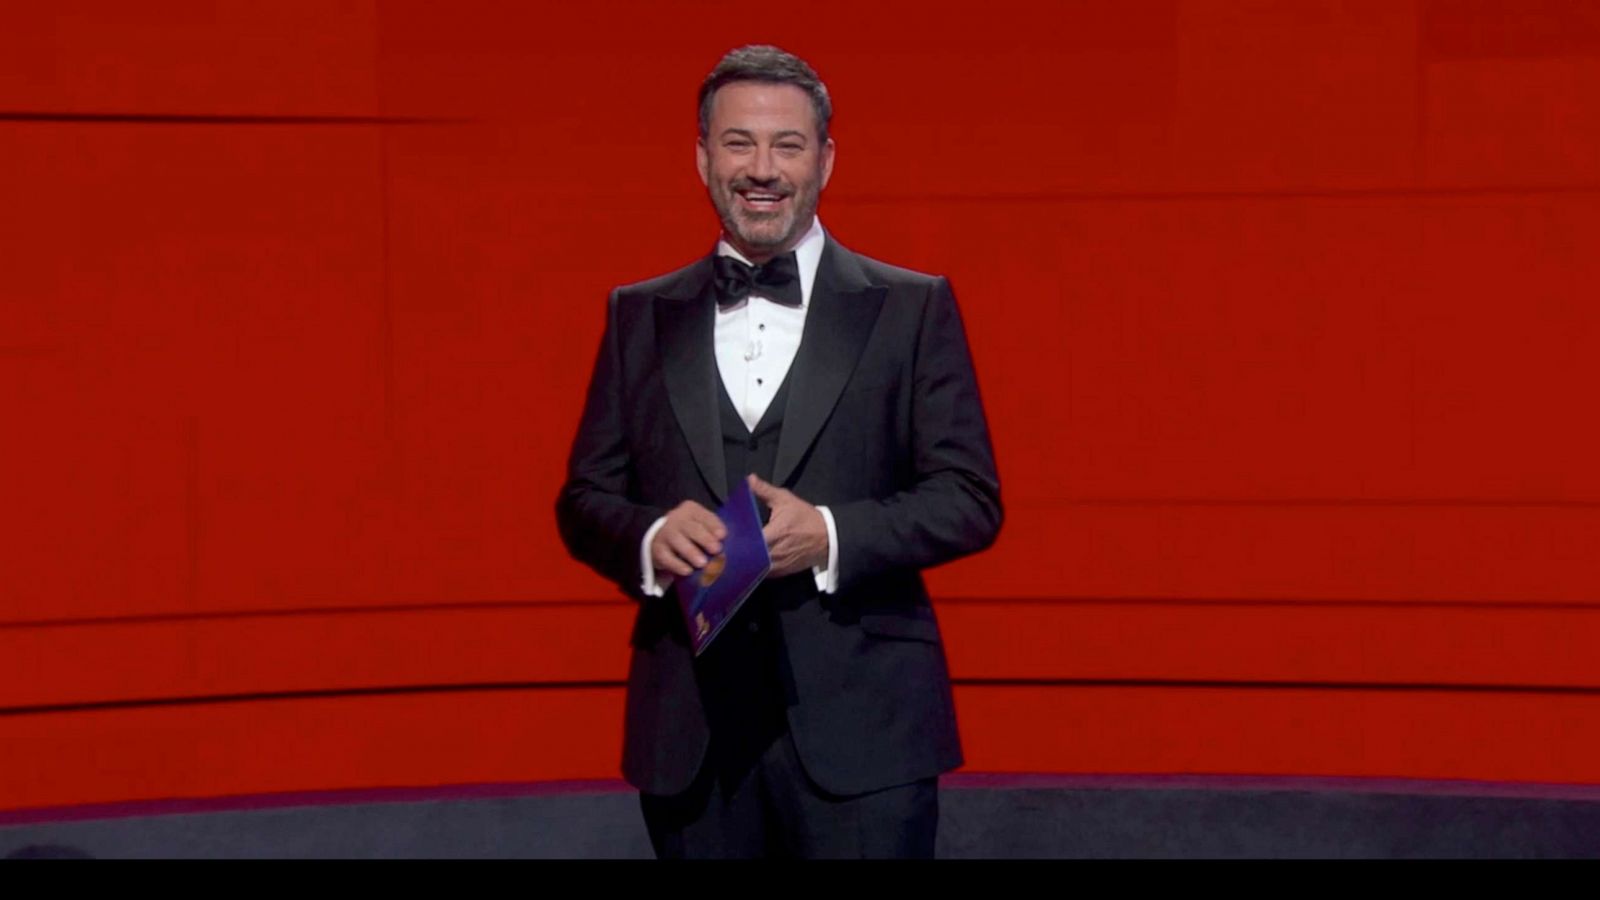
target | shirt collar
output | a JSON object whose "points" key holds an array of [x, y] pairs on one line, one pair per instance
{"points": [[807, 256]]}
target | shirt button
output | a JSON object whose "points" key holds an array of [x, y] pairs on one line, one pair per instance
{"points": [[761, 327], [761, 381]]}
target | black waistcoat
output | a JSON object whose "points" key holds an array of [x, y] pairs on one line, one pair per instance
{"points": [[741, 674], [745, 451]]}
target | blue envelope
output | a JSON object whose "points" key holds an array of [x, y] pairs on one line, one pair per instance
{"points": [[710, 595]]}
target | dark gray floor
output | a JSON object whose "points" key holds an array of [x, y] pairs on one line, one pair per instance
{"points": [[986, 820]]}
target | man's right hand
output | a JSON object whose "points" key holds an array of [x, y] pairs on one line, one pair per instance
{"points": [[691, 535]]}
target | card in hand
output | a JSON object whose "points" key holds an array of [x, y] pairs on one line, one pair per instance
{"points": [[709, 596]]}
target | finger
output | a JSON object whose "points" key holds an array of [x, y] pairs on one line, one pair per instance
{"points": [[766, 492], [706, 520], [686, 550], [703, 536], [666, 561]]}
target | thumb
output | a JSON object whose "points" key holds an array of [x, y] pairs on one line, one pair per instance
{"points": [[763, 490]]}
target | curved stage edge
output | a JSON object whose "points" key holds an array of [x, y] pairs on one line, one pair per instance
{"points": [[994, 816]]}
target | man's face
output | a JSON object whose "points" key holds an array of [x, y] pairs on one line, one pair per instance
{"points": [[763, 165]]}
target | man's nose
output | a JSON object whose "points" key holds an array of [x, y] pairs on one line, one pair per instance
{"points": [[761, 168]]}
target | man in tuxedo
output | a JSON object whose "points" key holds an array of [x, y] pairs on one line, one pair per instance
{"points": [[818, 721]]}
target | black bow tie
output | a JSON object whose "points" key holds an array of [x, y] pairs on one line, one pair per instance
{"points": [[777, 280]]}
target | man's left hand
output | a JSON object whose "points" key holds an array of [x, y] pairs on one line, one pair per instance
{"points": [[797, 537]]}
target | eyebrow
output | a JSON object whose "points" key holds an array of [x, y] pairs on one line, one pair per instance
{"points": [[746, 133]]}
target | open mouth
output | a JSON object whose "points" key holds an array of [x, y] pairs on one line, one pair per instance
{"points": [[757, 200]]}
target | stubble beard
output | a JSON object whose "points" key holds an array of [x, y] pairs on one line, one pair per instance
{"points": [[766, 234]]}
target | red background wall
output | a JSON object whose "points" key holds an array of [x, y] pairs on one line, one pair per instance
{"points": [[1284, 312]]}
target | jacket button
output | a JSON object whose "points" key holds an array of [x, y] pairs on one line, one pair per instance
{"points": [[755, 627]]}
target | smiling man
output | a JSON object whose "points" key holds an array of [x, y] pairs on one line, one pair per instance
{"points": [[842, 390]]}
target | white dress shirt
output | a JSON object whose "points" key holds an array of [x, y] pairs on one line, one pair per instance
{"points": [[756, 342]]}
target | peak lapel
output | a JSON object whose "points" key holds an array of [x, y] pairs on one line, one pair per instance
{"points": [[844, 307], [685, 321]]}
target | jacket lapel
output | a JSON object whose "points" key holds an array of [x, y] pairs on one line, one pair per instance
{"points": [[844, 307], [685, 321]]}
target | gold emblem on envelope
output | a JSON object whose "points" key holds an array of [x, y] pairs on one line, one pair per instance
{"points": [[713, 569]]}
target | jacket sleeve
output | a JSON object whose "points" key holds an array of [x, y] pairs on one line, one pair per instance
{"points": [[953, 507], [601, 525]]}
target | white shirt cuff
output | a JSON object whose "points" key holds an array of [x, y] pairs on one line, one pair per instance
{"points": [[828, 576], [647, 570]]}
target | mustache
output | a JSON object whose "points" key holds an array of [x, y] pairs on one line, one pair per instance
{"points": [[773, 187]]}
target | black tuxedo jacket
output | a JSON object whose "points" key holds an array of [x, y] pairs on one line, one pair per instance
{"points": [[883, 425]]}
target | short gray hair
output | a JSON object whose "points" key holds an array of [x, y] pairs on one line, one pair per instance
{"points": [[769, 65]]}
